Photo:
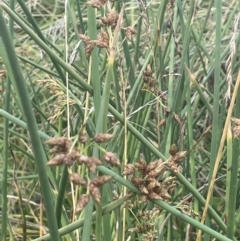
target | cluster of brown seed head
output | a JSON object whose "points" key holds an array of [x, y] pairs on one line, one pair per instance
{"points": [[110, 20], [60, 147], [150, 178], [150, 83], [67, 154], [130, 31], [147, 226], [93, 187], [102, 38], [148, 79], [101, 42]]}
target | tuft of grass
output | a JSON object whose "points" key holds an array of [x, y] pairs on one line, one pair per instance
{"points": [[120, 120]]}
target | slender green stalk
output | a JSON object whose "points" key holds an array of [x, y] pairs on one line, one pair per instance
{"points": [[61, 194], [22, 208], [195, 223], [162, 204], [20, 123], [180, 177], [95, 75], [10, 59], [155, 152], [44, 46], [175, 38], [95, 81], [39, 33], [75, 225], [217, 81], [4, 200], [191, 145], [171, 77], [199, 39]]}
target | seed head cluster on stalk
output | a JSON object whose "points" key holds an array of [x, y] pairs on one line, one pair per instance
{"points": [[65, 153], [150, 84], [110, 20], [146, 227], [150, 178]]}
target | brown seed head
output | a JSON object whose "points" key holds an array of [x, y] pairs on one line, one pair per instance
{"points": [[129, 32], [143, 189], [148, 71], [100, 44], [161, 123], [82, 159], [85, 38], [95, 160], [57, 141], [143, 198], [143, 164], [146, 79], [82, 202], [98, 181], [153, 183], [236, 128], [91, 163], [164, 194], [110, 20], [177, 118], [102, 39], [157, 171], [173, 150], [95, 192], [103, 36], [89, 48], [167, 110], [177, 157], [95, 3], [57, 160], [77, 179], [75, 154], [137, 181], [153, 165], [83, 138], [58, 149], [103, 137], [112, 159], [154, 196], [60, 144], [68, 160], [128, 170]]}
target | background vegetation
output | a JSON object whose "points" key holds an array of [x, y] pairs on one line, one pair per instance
{"points": [[120, 120]]}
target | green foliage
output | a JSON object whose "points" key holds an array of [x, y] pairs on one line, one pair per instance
{"points": [[130, 103]]}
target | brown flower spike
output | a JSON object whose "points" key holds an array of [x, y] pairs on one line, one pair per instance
{"points": [[82, 202], [77, 179], [103, 137], [112, 159], [95, 193], [99, 181]]}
